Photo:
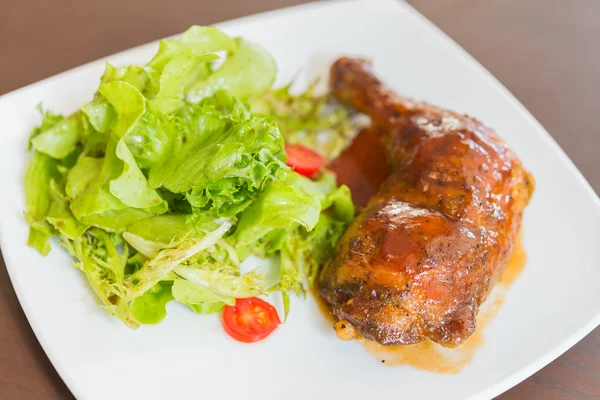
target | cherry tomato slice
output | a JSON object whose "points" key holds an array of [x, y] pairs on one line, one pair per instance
{"points": [[304, 161], [250, 320]]}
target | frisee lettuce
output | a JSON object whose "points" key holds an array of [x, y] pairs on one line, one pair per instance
{"points": [[312, 119], [167, 180]]}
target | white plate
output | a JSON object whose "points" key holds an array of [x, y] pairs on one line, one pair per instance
{"points": [[551, 306]]}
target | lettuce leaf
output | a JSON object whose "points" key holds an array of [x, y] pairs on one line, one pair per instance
{"points": [[199, 39], [131, 186], [164, 229], [150, 308], [176, 77], [198, 297], [128, 103], [150, 139], [283, 203], [100, 114], [94, 204], [60, 215], [224, 284], [38, 199], [49, 119], [249, 71], [135, 75], [152, 235], [61, 139]]}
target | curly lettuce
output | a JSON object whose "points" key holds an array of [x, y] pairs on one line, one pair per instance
{"points": [[312, 119], [167, 181]]}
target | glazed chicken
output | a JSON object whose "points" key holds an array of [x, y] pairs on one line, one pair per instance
{"points": [[424, 253]]}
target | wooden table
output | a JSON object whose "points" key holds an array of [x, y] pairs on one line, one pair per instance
{"points": [[544, 51]]}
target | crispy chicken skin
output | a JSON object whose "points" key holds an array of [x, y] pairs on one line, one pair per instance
{"points": [[425, 252]]}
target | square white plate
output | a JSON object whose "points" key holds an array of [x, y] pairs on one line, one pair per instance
{"points": [[554, 303]]}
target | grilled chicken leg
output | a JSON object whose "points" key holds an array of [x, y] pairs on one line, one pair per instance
{"points": [[425, 252]]}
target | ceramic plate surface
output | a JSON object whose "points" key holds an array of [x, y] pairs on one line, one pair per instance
{"points": [[553, 304]]}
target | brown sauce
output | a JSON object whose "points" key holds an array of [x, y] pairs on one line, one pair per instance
{"points": [[363, 168], [515, 266]]}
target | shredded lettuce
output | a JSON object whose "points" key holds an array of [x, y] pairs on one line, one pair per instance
{"points": [[166, 260], [166, 181]]}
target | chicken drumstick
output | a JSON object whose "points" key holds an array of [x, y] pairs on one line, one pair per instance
{"points": [[425, 252]]}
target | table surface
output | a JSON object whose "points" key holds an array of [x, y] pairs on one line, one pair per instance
{"points": [[544, 51]]}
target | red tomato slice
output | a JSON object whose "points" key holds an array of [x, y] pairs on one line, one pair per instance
{"points": [[250, 319], [304, 161]]}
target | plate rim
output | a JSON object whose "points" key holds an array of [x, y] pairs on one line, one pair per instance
{"points": [[502, 384]]}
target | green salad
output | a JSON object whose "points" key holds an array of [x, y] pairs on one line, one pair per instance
{"points": [[175, 173]]}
